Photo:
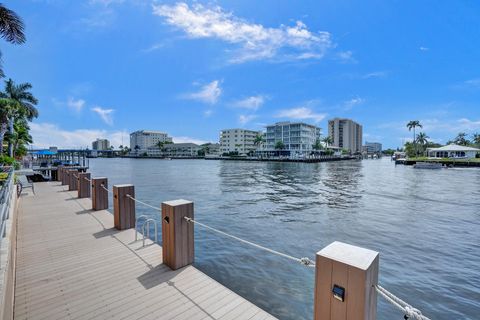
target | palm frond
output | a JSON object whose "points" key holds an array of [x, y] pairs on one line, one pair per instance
{"points": [[11, 26]]}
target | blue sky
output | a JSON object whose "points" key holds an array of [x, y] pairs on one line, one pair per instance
{"points": [[104, 68]]}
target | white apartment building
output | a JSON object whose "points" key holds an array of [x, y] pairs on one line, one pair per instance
{"points": [[142, 140], [297, 138], [238, 140], [345, 134], [101, 144], [372, 147]]}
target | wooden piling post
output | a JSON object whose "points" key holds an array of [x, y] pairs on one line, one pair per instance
{"points": [[99, 195], [123, 206], [65, 176], [83, 185], [345, 277], [59, 173], [177, 233], [72, 183]]}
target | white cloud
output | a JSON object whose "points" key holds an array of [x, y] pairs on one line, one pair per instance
{"points": [[207, 113], [473, 83], [301, 113], [255, 41], [75, 105], [105, 3], [251, 103], [349, 104], [209, 93], [424, 49], [105, 114], [244, 119], [346, 56], [47, 134], [184, 139], [375, 74]]}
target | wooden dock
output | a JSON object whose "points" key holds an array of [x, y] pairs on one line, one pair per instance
{"points": [[72, 264]]}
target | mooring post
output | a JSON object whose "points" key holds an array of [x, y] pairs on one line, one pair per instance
{"points": [[72, 183], [65, 176], [83, 185], [99, 194], [177, 233], [345, 277], [123, 206], [59, 173]]}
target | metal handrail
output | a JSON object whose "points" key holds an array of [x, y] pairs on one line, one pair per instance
{"points": [[136, 224], [146, 225]]}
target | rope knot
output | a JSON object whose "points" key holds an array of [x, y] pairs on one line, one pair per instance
{"points": [[306, 261]]}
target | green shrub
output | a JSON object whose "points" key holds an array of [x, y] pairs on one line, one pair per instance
{"points": [[9, 161]]}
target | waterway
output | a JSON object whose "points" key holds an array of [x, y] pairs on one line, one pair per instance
{"points": [[424, 223]]}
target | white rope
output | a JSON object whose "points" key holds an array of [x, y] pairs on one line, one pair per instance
{"points": [[87, 179], [75, 175], [305, 261], [145, 204], [103, 186], [408, 310]]}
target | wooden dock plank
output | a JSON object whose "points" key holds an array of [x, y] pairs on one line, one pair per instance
{"points": [[72, 264]]}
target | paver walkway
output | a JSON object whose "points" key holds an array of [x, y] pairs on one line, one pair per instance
{"points": [[72, 264]]}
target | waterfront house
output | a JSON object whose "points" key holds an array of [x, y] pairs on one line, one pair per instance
{"points": [[453, 151], [241, 141]]}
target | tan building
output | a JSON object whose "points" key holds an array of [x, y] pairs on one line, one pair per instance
{"points": [[238, 140], [346, 134]]}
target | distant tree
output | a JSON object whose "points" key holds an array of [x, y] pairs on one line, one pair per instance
{"points": [[422, 140], [317, 145], [11, 28], [476, 138], [461, 139], [413, 124], [328, 141], [279, 145], [160, 145], [258, 140]]}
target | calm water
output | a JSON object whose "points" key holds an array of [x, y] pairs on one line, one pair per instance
{"points": [[424, 223]]}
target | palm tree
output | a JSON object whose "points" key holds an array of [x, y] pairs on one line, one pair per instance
{"points": [[317, 145], [461, 139], [413, 124], [21, 137], [11, 28], [26, 103], [422, 139], [327, 140], [476, 138], [258, 140], [7, 110]]}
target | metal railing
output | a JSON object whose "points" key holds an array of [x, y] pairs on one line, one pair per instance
{"points": [[5, 194]]}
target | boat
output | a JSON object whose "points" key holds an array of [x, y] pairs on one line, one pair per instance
{"points": [[427, 165]]}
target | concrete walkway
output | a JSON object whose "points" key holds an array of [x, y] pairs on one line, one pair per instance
{"points": [[72, 264]]}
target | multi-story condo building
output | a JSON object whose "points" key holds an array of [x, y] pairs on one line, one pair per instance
{"points": [[181, 150], [372, 147], [238, 140], [101, 144], [142, 140], [345, 134], [296, 137]]}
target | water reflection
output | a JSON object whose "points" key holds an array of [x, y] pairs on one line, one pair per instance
{"points": [[425, 224]]}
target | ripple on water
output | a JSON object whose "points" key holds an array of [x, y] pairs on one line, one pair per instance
{"points": [[424, 223]]}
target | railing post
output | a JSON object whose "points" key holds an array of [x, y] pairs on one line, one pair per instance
{"points": [[99, 195], [65, 176], [345, 276], [177, 233], [123, 206], [83, 185], [59, 173], [72, 183]]}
